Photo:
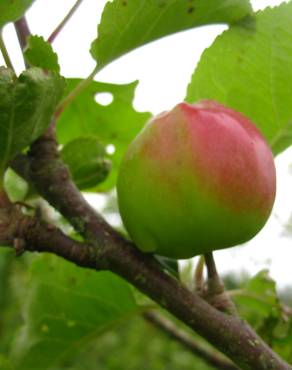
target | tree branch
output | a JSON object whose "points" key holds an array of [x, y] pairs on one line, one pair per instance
{"points": [[229, 334], [30, 233], [210, 357]]}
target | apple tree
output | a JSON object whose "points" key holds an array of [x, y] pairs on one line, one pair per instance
{"points": [[190, 181]]}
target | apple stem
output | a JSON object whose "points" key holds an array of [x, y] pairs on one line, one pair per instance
{"points": [[215, 283], [198, 275], [216, 294], [5, 53]]}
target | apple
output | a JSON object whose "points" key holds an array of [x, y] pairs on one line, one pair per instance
{"points": [[198, 178]]}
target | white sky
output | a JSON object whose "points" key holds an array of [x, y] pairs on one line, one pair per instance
{"points": [[164, 69]]}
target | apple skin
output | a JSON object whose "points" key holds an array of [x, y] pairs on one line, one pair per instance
{"points": [[198, 178]]}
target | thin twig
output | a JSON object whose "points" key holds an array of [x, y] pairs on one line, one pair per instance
{"points": [[23, 33], [76, 91], [5, 52], [210, 357], [58, 29]]}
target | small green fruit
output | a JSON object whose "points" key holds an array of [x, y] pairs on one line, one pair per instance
{"points": [[198, 178]]}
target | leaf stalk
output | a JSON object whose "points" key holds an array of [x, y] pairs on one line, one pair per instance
{"points": [[4, 52]]}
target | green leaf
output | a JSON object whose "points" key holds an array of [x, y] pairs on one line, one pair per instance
{"points": [[5, 363], [6, 258], [39, 53], [128, 24], [26, 108], [249, 69], [115, 124], [258, 300], [11, 10], [85, 157], [282, 337], [169, 264], [258, 303], [67, 307], [15, 186]]}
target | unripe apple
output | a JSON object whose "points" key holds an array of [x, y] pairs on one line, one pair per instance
{"points": [[198, 178]]}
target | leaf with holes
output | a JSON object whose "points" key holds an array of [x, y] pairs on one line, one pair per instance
{"points": [[66, 308], [128, 24], [26, 108], [86, 158], [115, 124], [39, 53], [249, 69], [10, 11]]}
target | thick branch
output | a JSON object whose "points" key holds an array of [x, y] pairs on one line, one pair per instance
{"points": [[210, 357], [42, 237], [29, 233], [227, 333], [42, 164]]}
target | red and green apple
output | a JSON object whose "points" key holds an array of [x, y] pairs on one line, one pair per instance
{"points": [[198, 178]]}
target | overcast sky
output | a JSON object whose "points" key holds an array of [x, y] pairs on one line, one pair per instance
{"points": [[164, 69]]}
